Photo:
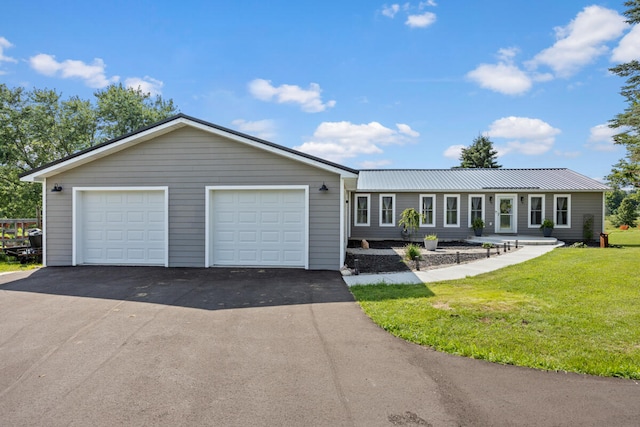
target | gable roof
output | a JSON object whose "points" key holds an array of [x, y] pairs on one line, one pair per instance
{"points": [[167, 125], [420, 180]]}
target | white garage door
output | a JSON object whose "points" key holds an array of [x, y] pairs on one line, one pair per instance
{"points": [[258, 228], [122, 227]]}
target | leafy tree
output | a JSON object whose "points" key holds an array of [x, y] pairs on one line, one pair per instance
{"points": [[37, 126], [480, 154], [628, 212], [613, 200], [627, 171], [123, 110]]}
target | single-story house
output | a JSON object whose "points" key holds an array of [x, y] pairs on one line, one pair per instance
{"points": [[187, 193]]}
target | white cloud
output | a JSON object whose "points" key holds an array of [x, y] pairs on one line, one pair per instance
{"points": [[453, 152], [374, 164], [424, 4], [92, 74], [337, 141], [601, 138], [264, 129], [421, 21], [567, 154], [5, 44], [581, 41], [146, 85], [525, 135], [629, 47], [309, 99], [390, 11], [502, 77]]}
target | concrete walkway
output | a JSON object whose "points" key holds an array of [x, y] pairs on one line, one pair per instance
{"points": [[453, 272]]}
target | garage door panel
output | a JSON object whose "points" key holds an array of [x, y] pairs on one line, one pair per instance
{"points": [[266, 223], [122, 227]]}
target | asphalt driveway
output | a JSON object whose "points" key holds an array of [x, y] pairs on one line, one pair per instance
{"points": [[234, 347]]}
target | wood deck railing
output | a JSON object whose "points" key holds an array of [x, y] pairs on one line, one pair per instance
{"points": [[15, 232]]}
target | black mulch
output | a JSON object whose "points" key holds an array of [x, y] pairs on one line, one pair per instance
{"points": [[395, 263]]}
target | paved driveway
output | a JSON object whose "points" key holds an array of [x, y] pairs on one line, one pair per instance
{"points": [[222, 347]]}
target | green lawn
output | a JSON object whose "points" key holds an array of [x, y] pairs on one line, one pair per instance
{"points": [[572, 310], [630, 237], [6, 266]]}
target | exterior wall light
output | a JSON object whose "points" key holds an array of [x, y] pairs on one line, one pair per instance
{"points": [[323, 188], [56, 188]]}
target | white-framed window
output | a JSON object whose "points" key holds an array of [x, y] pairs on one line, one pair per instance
{"points": [[476, 207], [452, 210], [562, 210], [428, 210], [387, 210], [362, 209], [536, 210]]}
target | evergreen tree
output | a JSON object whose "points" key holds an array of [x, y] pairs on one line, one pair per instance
{"points": [[480, 154], [627, 171]]}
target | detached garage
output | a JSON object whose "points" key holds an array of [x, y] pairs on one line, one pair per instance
{"points": [[187, 193]]}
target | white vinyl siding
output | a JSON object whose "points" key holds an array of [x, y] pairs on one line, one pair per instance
{"points": [[362, 209], [452, 210], [387, 210], [476, 207], [536, 211], [562, 210]]}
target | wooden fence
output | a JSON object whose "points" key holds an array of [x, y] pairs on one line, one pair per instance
{"points": [[15, 232]]}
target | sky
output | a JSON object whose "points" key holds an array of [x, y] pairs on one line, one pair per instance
{"points": [[365, 84]]}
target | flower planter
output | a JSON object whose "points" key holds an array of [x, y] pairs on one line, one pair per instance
{"points": [[431, 245], [546, 232], [478, 231]]}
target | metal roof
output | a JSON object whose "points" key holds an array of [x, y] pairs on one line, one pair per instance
{"points": [[459, 179]]}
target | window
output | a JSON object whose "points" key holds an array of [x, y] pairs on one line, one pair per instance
{"points": [[451, 210], [562, 209], [363, 201], [536, 211], [476, 207], [428, 210], [387, 210]]}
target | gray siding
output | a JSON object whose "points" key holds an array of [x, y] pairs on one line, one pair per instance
{"points": [[187, 160], [587, 203]]}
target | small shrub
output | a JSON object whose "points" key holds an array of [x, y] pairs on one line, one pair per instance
{"points": [[411, 251], [579, 245], [488, 245]]}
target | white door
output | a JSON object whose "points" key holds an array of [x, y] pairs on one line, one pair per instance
{"points": [[506, 218], [121, 228], [258, 228]]}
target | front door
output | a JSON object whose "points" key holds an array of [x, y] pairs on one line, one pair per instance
{"points": [[506, 214]]}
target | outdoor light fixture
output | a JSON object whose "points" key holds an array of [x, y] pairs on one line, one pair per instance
{"points": [[521, 199], [56, 188], [490, 199], [323, 188]]}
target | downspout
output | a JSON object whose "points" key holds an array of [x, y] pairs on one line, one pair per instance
{"points": [[343, 249]]}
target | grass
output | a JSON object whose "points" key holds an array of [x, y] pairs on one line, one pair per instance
{"points": [[8, 264], [630, 237], [573, 309]]}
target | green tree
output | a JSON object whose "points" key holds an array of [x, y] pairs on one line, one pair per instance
{"points": [[627, 171], [628, 212], [480, 154], [123, 110], [613, 200], [37, 126]]}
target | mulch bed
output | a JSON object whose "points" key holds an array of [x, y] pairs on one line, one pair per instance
{"points": [[395, 263]]}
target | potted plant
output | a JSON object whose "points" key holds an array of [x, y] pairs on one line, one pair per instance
{"points": [[478, 226], [431, 242], [547, 227], [410, 222]]}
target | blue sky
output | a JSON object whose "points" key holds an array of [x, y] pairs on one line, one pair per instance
{"points": [[366, 84]]}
